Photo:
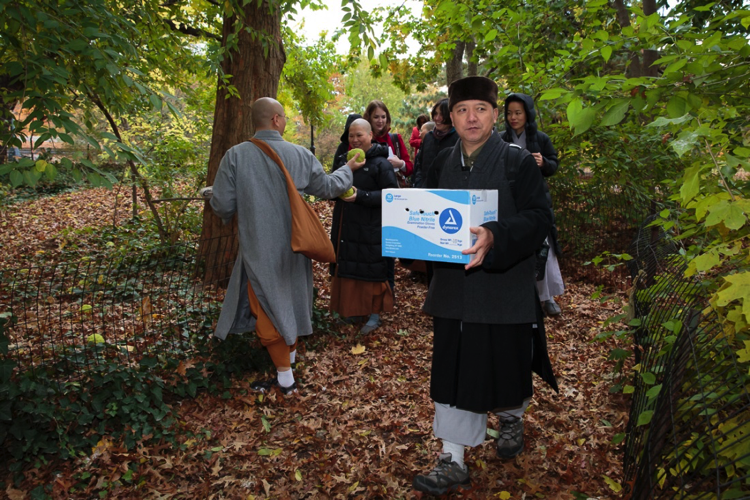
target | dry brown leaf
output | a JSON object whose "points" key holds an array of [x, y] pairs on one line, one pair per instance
{"points": [[14, 494]]}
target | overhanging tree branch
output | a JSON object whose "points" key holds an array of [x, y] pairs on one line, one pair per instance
{"points": [[133, 170], [188, 30]]}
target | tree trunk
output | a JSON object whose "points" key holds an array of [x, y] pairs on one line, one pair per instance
{"points": [[649, 55], [472, 68], [638, 66], [455, 65], [6, 120], [255, 73], [623, 18]]}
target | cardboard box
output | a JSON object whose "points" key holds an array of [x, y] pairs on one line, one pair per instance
{"points": [[433, 224]]}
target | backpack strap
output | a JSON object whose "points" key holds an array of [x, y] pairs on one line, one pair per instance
{"points": [[512, 165], [396, 146]]}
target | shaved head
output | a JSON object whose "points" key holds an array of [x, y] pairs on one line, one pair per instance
{"points": [[361, 123], [264, 111], [360, 135]]}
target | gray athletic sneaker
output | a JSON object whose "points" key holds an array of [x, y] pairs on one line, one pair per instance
{"points": [[510, 442], [551, 308], [446, 476]]}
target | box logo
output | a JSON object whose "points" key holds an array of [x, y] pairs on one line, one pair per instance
{"points": [[389, 197], [450, 220], [473, 199]]}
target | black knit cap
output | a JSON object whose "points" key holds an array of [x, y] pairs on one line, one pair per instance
{"points": [[477, 88]]}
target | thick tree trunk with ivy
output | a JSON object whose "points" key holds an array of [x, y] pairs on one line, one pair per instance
{"points": [[255, 68]]}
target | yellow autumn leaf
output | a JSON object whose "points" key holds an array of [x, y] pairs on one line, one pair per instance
{"points": [[613, 485], [358, 349], [743, 355], [298, 475], [103, 445], [503, 495], [737, 287]]}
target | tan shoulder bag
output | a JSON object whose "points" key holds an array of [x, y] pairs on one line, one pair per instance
{"points": [[308, 235]]}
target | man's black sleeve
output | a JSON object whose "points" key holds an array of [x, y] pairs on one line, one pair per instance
{"points": [[520, 235]]}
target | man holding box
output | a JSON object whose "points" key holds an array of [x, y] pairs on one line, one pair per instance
{"points": [[488, 330]]}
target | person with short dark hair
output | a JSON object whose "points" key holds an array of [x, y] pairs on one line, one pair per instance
{"points": [[488, 324], [442, 137]]}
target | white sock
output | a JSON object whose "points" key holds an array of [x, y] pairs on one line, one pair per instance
{"points": [[286, 379], [456, 451], [293, 356]]}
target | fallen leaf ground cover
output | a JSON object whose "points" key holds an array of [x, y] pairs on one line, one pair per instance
{"points": [[361, 425]]}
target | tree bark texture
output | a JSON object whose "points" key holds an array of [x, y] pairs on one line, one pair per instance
{"points": [[6, 117], [649, 55], [255, 71], [639, 66], [472, 67], [455, 65]]}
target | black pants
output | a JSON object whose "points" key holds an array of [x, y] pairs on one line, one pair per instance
{"points": [[391, 263]]}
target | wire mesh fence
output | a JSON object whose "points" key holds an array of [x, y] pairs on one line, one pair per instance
{"points": [[689, 427], [72, 316], [594, 216]]}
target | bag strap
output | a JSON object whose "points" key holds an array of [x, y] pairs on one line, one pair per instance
{"points": [[396, 145], [338, 242], [291, 189], [512, 166], [268, 150]]}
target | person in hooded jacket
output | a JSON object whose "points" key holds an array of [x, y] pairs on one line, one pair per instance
{"points": [[359, 285], [339, 157], [521, 129], [442, 137]]}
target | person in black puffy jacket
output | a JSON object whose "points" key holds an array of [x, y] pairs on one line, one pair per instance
{"points": [[359, 285], [339, 157], [521, 129], [442, 137]]}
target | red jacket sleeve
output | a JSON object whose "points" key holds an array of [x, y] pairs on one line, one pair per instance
{"points": [[405, 156], [416, 139]]}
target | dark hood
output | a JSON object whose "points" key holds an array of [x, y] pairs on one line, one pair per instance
{"points": [[528, 106], [349, 120], [377, 149]]}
